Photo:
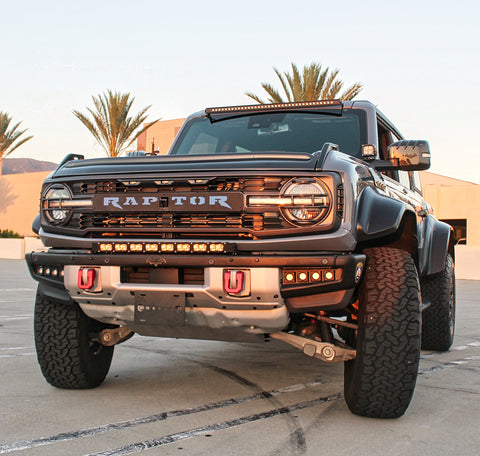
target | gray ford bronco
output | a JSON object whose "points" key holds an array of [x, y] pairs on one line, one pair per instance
{"points": [[301, 222]]}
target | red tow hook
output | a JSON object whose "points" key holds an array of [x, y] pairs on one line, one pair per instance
{"points": [[86, 278], [233, 281]]}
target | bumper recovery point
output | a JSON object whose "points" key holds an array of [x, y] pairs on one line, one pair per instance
{"points": [[324, 351]]}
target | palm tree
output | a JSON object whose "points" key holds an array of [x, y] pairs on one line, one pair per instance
{"points": [[111, 124], [9, 138], [313, 84]]}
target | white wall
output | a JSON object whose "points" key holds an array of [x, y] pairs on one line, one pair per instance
{"points": [[467, 262], [15, 249]]}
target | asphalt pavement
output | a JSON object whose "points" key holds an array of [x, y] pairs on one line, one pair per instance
{"points": [[168, 396]]}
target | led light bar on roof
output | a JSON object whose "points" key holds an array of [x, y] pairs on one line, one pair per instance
{"points": [[266, 107]]}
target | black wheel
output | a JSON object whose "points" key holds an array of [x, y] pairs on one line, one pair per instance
{"points": [[438, 319], [380, 381], [66, 354]]}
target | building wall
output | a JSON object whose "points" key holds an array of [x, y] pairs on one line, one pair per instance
{"points": [[19, 202], [454, 199], [159, 136]]}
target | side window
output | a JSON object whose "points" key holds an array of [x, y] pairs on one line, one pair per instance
{"points": [[404, 178], [384, 140], [416, 183]]}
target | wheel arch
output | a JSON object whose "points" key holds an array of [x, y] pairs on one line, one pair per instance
{"points": [[396, 227], [370, 225]]}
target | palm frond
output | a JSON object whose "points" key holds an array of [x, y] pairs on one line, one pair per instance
{"points": [[322, 77], [329, 81], [10, 138], [254, 97], [15, 146], [352, 91], [274, 96], [295, 82], [313, 83], [110, 123], [284, 86]]}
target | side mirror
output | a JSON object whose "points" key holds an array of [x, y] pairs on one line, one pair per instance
{"points": [[409, 155]]}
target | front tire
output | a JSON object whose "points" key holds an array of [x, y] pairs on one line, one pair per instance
{"points": [[380, 381], [67, 355], [438, 319]]}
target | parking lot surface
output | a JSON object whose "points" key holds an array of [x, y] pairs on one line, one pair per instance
{"points": [[168, 396]]}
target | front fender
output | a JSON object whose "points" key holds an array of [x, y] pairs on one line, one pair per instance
{"points": [[377, 216], [36, 224]]}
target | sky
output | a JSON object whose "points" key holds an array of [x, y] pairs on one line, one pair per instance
{"points": [[418, 61]]}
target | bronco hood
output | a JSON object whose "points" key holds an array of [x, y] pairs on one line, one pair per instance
{"points": [[183, 164]]}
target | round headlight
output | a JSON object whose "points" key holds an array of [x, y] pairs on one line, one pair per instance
{"points": [[310, 201], [52, 203]]}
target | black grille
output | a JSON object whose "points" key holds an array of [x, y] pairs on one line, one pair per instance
{"points": [[253, 221], [340, 200], [179, 224], [250, 184]]}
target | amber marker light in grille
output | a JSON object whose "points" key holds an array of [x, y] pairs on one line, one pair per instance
{"points": [[198, 181], [105, 247], [167, 247], [151, 247], [218, 248], [136, 247], [121, 247], [200, 247], [329, 275], [184, 247]]}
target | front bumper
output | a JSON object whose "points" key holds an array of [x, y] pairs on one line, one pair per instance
{"points": [[202, 310]]}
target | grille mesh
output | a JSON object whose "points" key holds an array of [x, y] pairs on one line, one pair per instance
{"points": [[250, 222]]}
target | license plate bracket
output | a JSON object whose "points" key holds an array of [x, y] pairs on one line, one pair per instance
{"points": [[160, 308]]}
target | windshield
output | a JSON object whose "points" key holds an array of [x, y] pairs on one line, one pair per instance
{"points": [[273, 132]]}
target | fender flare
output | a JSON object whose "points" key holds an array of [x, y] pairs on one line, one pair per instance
{"points": [[378, 216], [438, 242], [36, 224]]}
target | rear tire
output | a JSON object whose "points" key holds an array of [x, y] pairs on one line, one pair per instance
{"points": [[67, 355], [380, 381], [438, 319]]}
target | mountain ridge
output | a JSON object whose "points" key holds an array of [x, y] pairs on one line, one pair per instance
{"points": [[26, 165]]}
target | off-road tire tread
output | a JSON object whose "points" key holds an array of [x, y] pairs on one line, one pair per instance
{"points": [[436, 324], [381, 380], [61, 341]]}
